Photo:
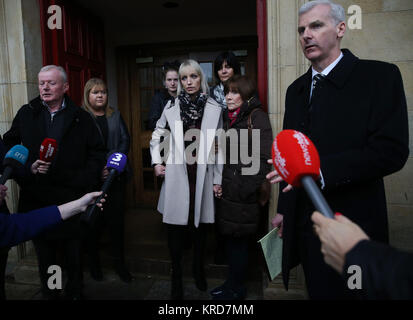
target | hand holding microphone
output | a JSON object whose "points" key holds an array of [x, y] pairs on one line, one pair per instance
{"points": [[297, 162], [116, 164], [274, 178], [48, 150]]}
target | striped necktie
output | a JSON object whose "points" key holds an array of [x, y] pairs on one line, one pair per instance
{"points": [[318, 79]]}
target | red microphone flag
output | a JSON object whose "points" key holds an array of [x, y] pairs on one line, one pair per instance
{"points": [[48, 150], [295, 156]]}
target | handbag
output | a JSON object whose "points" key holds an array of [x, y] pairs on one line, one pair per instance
{"points": [[265, 188]]}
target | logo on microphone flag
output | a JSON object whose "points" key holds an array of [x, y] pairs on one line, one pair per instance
{"points": [[19, 153], [294, 156], [117, 161]]}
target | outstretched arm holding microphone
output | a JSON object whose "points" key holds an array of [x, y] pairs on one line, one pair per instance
{"points": [[17, 228]]}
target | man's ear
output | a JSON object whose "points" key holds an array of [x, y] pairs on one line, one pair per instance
{"points": [[66, 87], [341, 29]]}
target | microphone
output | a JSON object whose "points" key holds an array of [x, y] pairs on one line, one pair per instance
{"points": [[116, 164], [48, 150], [14, 159], [297, 161]]}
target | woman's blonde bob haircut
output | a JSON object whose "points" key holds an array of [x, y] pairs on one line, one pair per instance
{"points": [[86, 91], [198, 69]]}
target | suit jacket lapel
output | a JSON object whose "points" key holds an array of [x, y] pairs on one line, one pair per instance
{"points": [[341, 72], [304, 90]]}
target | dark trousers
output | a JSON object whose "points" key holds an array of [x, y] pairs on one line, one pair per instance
{"points": [[179, 238], [4, 252], [112, 217], [322, 281], [46, 250], [237, 256], [220, 247]]}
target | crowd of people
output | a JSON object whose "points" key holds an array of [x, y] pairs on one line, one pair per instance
{"points": [[208, 183]]}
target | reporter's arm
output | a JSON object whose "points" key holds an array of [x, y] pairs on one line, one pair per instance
{"points": [[17, 228], [69, 209], [387, 273]]}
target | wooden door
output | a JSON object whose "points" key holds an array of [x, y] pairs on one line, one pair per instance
{"points": [[140, 75], [78, 46]]}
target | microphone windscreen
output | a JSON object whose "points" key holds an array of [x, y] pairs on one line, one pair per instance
{"points": [[48, 150], [295, 156], [16, 155], [117, 161]]}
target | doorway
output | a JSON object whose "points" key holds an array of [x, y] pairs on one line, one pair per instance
{"points": [[140, 75]]}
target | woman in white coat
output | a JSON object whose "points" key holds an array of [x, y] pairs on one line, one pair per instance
{"points": [[190, 168]]}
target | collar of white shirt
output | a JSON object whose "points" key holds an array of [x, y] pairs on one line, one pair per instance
{"points": [[327, 70]]}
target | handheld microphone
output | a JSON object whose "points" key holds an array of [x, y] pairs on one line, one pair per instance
{"points": [[116, 164], [14, 159], [48, 150], [297, 161]]}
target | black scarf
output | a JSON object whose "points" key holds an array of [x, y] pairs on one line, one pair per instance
{"points": [[192, 111]]}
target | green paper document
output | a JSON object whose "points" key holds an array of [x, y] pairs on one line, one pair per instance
{"points": [[272, 246]]}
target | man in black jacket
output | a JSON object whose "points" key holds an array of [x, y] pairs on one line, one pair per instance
{"points": [[355, 113], [74, 171]]}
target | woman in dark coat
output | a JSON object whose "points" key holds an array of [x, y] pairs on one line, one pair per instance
{"points": [[226, 65], [115, 136], [248, 132], [161, 97]]}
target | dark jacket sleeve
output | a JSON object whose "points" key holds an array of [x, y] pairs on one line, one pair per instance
{"points": [[155, 111], [386, 273], [386, 150], [124, 142], [2, 154], [261, 122], [17, 228], [87, 176], [286, 201]]}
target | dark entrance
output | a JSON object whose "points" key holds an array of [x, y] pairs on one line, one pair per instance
{"points": [[126, 42]]}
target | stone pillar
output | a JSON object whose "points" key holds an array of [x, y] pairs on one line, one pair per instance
{"points": [[285, 64], [20, 61]]}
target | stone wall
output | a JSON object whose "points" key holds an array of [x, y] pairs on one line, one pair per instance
{"points": [[20, 60]]}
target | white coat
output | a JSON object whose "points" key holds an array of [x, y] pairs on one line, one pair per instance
{"points": [[174, 197]]}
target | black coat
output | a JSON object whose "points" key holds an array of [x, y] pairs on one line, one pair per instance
{"points": [[360, 129], [386, 273], [158, 103], [239, 209], [77, 167], [118, 138]]}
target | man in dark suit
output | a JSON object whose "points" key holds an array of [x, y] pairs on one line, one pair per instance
{"points": [[355, 113], [74, 171]]}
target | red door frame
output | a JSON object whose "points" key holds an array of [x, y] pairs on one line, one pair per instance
{"points": [[262, 61], [48, 36]]}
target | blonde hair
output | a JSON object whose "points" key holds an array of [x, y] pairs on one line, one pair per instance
{"points": [[86, 91], [198, 69]]}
